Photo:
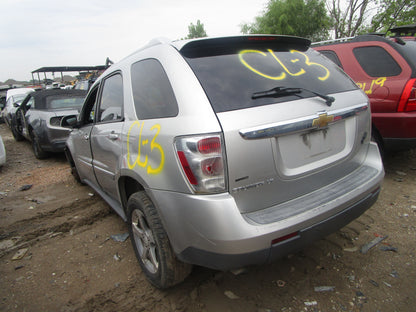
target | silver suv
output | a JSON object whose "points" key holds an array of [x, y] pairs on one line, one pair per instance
{"points": [[226, 152]]}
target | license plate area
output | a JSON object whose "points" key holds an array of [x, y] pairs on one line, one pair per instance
{"points": [[300, 153]]}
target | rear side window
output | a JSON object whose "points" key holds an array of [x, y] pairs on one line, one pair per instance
{"points": [[231, 76], [377, 62], [409, 52], [111, 103], [332, 56], [152, 92]]}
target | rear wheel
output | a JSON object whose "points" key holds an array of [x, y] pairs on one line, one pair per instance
{"points": [[37, 149], [376, 137], [151, 244]]}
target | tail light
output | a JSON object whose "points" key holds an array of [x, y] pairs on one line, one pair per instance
{"points": [[202, 161], [408, 99]]}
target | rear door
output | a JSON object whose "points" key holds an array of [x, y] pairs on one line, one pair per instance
{"points": [[106, 134], [282, 140]]}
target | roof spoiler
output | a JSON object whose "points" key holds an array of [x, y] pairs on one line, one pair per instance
{"points": [[224, 45]]}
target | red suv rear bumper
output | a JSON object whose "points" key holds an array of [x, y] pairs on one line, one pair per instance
{"points": [[398, 129]]}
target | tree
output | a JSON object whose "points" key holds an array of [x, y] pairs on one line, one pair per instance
{"points": [[348, 18], [303, 18], [196, 31], [393, 13]]}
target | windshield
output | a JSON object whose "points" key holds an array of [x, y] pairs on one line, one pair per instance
{"points": [[230, 79], [18, 98]]}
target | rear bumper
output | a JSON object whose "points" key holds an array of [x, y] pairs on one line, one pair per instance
{"points": [[209, 230], [303, 238], [53, 139], [398, 130]]}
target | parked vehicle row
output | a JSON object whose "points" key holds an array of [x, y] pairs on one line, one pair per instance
{"points": [[234, 151]]}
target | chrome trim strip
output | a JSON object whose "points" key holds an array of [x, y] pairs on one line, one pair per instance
{"points": [[302, 124]]}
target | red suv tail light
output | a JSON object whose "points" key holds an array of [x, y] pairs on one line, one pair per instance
{"points": [[202, 161], [408, 99]]}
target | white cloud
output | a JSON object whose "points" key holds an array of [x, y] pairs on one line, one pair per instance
{"points": [[58, 33]]}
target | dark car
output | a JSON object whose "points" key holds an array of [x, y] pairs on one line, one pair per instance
{"points": [[385, 69], [38, 119]]}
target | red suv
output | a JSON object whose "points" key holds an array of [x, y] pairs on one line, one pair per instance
{"points": [[385, 69]]}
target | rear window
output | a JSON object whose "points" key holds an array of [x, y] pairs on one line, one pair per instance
{"points": [[58, 101], [231, 77], [409, 50]]}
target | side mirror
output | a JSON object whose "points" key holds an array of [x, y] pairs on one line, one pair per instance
{"points": [[70, 121], [17, 104]]}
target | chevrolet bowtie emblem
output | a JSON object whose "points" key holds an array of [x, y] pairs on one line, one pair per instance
{"points": [[323, 120]]}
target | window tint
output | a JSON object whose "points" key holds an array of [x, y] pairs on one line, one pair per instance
{"points": [[152, 92], [332, 56], [377, 62], [111, 102], [230, 78]]}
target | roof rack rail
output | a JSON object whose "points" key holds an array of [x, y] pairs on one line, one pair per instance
{"points": [[333, 41]]}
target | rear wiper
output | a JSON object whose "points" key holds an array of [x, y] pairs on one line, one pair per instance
{"points": [[284, 91]]}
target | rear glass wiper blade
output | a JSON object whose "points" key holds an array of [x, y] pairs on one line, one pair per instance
{"points": [[284, 91]]}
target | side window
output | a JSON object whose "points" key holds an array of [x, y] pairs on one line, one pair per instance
{"points": [[111, 102], [88, 110], [377, 62], [332, 56], [152, 92]]}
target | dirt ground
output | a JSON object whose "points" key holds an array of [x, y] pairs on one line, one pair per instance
{"points": [[58, 253]]}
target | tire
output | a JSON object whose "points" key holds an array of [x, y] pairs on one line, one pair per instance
{"points": [[151, 244], [37, 150], [376, 137], [71, 162]]}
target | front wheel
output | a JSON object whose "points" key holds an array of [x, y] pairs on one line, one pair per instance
{"points": [[151, 244]]}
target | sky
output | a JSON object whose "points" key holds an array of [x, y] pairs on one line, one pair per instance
{"points": [[40, 33]]}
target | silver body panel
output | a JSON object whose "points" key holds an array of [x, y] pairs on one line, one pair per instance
{"points": [[288, 166]]}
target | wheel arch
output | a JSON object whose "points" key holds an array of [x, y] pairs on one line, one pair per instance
{"points": [[127, 186], [376, 137]]}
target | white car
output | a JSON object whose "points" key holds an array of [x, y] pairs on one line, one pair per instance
{"points": [[2, 153], [13, 99]]}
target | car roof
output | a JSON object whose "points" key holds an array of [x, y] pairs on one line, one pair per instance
{"points": [[15, 91]]}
